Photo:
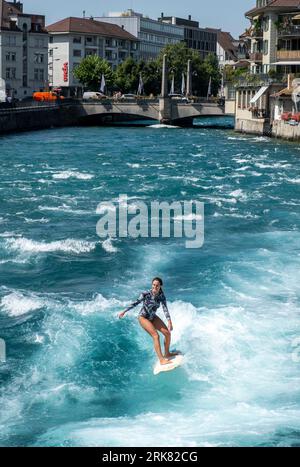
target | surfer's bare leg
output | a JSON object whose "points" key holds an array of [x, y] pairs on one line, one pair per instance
{"points": [[161, 327], [150, 329]]}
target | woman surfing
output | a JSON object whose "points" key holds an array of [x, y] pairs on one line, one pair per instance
{"points": [[152, 323]]}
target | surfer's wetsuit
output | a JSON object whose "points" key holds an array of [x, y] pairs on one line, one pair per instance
{"points": [[151, 303]]}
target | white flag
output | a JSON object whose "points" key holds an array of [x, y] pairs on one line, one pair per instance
{"points": [[209, 89], [103, 85], [183, 89], [172, 91], [141, 86]]}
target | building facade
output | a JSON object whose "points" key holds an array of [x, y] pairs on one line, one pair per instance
{"points": [[275, 36], [73, 39], [204, 40], [153, 35], [23, 50]]}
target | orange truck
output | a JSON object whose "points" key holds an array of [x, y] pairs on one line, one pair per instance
{"points": [[47, 96]]}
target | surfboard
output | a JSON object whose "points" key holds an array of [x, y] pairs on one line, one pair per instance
{"points": [[176, 362]]}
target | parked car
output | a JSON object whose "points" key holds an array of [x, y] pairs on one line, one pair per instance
{"points": [[91, 95], [179, 97], [129, 97]]}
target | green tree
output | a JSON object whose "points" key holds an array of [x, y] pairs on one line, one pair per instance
{"points": [[128, 76], [89, 72], [178, 56], [212, 70]]}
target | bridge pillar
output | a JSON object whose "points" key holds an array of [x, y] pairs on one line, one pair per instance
{"points": [[165, 102], [165, 110], [164, 84]]}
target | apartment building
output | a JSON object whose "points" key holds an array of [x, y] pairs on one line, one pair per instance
{"points": [[73, 39], [275, 36], [153, 35], [204, 40], [23, 50]]}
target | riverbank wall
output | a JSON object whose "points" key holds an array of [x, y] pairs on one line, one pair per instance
{"points": [[39, 117]]}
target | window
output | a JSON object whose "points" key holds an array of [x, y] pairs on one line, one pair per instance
{"points": [[51, 39], [39, 43], [266, 47], [77, 40], [10, 73], [76, 53], [11, 40], [13, 56], [39, 74], [38, 58], [7, 56]]}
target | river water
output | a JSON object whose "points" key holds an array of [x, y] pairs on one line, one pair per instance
{"points": [[77, 376]]}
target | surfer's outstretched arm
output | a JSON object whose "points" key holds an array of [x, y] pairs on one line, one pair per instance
{"points": [[133, 305]]}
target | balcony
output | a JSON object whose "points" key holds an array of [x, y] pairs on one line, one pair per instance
{"points": [[288, 32], [288, 55], [256, 57]]}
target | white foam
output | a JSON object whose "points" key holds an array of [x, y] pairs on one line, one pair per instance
{"points": [[43, 220], [108, 246], [71, 174], [17, 304], [133, 166], [189, 217], [98, 304], [161, 126], [24, 245]]}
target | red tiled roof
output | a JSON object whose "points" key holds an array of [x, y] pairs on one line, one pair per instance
{"points": [[275, 4], [226, 40], [89, 26]]}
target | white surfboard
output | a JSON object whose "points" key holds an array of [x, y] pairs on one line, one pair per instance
{"points": [[176, 362]]}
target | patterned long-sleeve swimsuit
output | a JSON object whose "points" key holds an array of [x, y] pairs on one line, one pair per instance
{"points": [[151, 303]]}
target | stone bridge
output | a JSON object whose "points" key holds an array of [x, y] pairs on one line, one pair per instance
{"points": [[165, 110]]}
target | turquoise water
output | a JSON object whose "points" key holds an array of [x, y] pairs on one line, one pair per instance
{"points": [[77, 376]]}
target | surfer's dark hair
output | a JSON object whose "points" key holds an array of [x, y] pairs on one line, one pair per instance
{"points": [[159, 280]]}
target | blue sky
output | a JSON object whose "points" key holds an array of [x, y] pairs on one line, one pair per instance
{"points": [[225, 14]]}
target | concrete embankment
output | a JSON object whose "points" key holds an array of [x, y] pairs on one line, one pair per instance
{"points": [[39, 117], [253, 127], [279, 129]]}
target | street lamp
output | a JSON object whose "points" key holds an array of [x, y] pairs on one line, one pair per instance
{"points": [[51, 55]]}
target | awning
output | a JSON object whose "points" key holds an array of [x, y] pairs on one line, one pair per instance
{"points": [[286, 63], [259, 94], [283, 92], [296, 17]]}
